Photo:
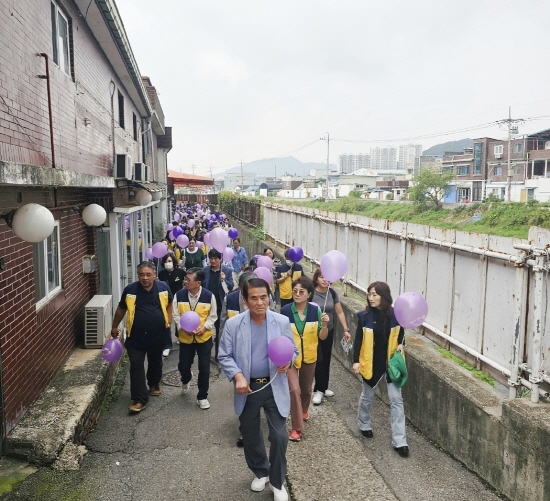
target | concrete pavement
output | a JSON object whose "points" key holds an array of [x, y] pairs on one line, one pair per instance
{"points": [[175, 451]]}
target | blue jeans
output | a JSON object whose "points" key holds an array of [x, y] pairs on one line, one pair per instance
{"points": [[399, 437], [187, 357]]}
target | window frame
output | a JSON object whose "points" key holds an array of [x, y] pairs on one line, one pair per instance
{"points": [[499, 172], [58, 56], [121, 111], [460, 168], [44, 264], [498, 149], [517, 148]]}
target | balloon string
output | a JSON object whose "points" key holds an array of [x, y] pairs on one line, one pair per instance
{"points": [[326, 297], [265, 386]]}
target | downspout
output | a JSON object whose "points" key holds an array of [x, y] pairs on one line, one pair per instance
{"points": [[113, 126], [47, 78]]}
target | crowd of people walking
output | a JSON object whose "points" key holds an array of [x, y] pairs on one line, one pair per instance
{"points": [[219, 301]]}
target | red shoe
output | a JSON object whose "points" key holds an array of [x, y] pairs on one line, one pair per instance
{"points": [[295, 436], [306, 416]]}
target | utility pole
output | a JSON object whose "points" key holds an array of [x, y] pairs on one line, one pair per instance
{"points": [[327, 139], [511, 124], [242, 176], [193, 167]]}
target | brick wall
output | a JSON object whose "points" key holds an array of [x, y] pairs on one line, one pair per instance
{"points": [[35, 343], [24, 125]]}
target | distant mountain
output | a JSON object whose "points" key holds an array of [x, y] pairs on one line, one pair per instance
{"points": [[278, 167], [457, 146]]}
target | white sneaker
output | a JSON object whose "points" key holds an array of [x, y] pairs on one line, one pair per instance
{"points": [[203, 404], [258, 484], [184, 388], [329, 393], [166, 352], [279, 494], [317, 397]]}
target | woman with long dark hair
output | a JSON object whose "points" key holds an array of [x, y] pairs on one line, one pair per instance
{"points": [[378, 336]]}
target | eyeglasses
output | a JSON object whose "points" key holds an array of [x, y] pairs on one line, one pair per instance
{"points": [[299, 292], [187, 279]]}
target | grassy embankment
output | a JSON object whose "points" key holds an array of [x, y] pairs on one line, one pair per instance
{"points": [[497, 218]]}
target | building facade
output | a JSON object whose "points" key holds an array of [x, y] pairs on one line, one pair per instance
{"points": [[407, 154], [383, 158], [79, 125], [350, 163]]}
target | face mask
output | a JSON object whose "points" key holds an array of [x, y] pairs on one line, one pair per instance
{"points": [[169, 266], [288, 262]]}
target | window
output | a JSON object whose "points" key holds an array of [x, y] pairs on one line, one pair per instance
{"points": [[60, 39], [499, 149], [462, 170], [120, 109], [47, 267], [478, 157], [498, 170], [134, 126], [518, 148], [517, 169]]}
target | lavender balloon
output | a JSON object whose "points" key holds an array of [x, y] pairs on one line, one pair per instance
{"points": [[182, 241], [280, 350], [191, 223], [159, 250], [171, 236], [169, 227], [265, 261], [149, 253], [228, 254], [410, 310], [264, 274], [112, 350], [189, 321], [334, 265], [206, 238]]}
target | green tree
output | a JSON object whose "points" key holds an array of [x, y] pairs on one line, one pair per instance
{"points": [[430, 186]]}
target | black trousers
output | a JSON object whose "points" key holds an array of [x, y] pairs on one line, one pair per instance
{"points": [[285, 301], [187, 357], [138, 378], [253, 439], [322, 369]]}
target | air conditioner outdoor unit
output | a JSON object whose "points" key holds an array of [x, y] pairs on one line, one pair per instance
{"points": [[124, 166], [97, 321], [141, 172], [498, 155]]}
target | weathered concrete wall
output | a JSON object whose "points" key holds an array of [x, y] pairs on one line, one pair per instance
{"points": [[506, 442]]}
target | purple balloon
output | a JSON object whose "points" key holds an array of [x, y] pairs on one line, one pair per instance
{"points": [[280, 350], [169, 227], [265, 262], [200, 244], [112, 350], [295, 254], [171, 236], [206, 238], [410, 310], [149, 253], [228, 254], [177, 216], [159, 250], [182, 241], [334, 265], [264, 274], [189, 321], [191, 223], [233, 233], [218, 239], [177, 231]]}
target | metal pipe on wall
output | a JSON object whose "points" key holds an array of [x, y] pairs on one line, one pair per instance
{"points": [[50, 114]]}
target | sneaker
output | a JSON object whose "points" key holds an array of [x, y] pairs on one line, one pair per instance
{"points": [[184, 388], [240, 442], [166, 352], [203, 404], [279, 494], [305, 416], [403, 451], [329, 393], [137, 407], [155, 391], [367, 433], [258, 484], [295, 436], [317, 397]]}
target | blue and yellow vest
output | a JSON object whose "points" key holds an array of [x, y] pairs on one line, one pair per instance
{"points": [[285, 287], [131, 292], [232, 304], [367, 347], [203, 307], [308, 340]]}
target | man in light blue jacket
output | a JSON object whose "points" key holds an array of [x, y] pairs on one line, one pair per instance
{"points": [[259, 383]]}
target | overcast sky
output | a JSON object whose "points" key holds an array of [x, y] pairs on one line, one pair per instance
{"points": [[255, 79]]}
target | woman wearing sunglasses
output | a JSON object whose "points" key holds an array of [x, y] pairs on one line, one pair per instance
{"points": [[308, 326]]}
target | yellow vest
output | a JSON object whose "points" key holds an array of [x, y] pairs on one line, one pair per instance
{"points": [[285, 287], [203, 307], [367, 349], [131, 309]]}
